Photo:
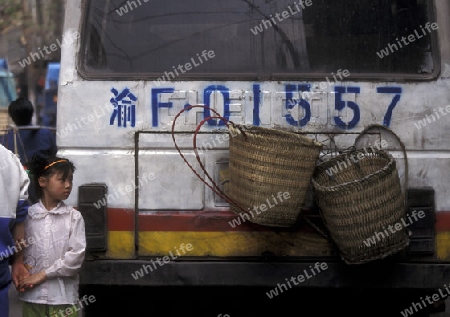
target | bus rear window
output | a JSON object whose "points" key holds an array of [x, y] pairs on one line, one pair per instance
{"points": [[258, 39]]}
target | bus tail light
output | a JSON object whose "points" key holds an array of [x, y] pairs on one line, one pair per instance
{"points": [[421, 216], [92, 203]]}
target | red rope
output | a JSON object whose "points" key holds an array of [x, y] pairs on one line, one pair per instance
{"points": [[215, 188]]}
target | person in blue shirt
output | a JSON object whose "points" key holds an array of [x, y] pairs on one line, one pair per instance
{"points": [[14, 184], [27, 140]]}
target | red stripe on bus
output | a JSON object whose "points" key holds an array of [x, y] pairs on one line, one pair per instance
{"points": [[208, 221], [195, 221], [443, 221], [121, 219]]}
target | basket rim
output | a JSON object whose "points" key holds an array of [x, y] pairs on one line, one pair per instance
{"points": [[332, 160], [369, 177], [265, 130]]}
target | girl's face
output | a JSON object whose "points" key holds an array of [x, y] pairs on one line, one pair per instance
{"points": [[55, 187]]}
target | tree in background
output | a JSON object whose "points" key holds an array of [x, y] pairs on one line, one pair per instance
{"points": [[10, 13], [40, 24]]}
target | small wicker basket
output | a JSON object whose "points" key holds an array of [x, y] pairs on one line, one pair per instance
{"points": [[359, 200], [265, 162]]}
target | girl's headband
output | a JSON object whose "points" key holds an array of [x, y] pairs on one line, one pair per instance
{"points": [[53, 163]]}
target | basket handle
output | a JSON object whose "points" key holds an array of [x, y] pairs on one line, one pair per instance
{"points": [[214, 187], [377, 125]]}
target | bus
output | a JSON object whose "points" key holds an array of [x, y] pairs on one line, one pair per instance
{"points": [[325, 69], [7, 93], [50, 95]]}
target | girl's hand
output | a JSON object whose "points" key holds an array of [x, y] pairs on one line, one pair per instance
{"points": [[19, 272], [30, 281]]}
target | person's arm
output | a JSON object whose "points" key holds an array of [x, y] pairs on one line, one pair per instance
{"points": [[70, 263], [18, 269]]}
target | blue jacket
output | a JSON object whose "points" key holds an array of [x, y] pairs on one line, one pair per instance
{"points": [[31, 140]]}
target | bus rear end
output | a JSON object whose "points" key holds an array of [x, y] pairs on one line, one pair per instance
{"points": [[325, 69]]}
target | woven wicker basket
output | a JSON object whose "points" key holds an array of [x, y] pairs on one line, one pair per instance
{"points": [[265, 162], [359, 200]]}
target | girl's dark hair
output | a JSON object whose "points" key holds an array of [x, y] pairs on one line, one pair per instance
{"points": [[40, 166]]}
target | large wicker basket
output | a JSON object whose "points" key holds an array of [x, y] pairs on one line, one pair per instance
{"points": [[359, 201], [266, 166]]}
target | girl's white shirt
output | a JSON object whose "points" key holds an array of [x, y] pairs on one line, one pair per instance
{"points": [[57, 244]]}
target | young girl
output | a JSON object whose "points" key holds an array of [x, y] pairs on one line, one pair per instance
{"points": [[56, 237]]}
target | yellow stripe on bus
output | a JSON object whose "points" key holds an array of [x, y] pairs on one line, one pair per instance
{"points": [[221, 244], [155, 243], [120, 245], [443, 245]]}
